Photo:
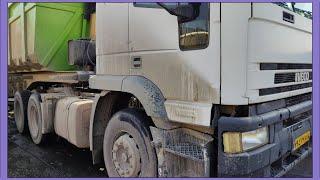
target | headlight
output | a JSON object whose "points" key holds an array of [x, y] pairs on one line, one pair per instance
{"points": [[236, 142]]}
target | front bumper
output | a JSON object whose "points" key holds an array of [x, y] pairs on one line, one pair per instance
{"points": [[273, 159]]}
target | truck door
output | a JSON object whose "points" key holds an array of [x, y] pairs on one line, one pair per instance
{"points": [[182, 73]]}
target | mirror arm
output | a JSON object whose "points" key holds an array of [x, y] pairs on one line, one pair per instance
{"points": [[293, 6], [180, 18], [167, 9]]}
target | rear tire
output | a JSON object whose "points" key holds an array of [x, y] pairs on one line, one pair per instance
{"points": [[35, 118], [127, 148], [20, 110]]}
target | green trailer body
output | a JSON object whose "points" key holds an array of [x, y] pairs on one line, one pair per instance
{"points": [[39, 34]]}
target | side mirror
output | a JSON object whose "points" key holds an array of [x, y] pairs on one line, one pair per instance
{"points": [[184, 11]]}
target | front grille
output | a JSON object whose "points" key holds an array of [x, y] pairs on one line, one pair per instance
{"points": [[296, 119], [275, 90], [284, 66], [287, 77], [290, 101], [277, 104]]}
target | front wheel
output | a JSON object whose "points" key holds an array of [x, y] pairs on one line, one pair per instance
{"points": [[127, 146]]}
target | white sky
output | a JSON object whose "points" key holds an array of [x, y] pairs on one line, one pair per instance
{"points": [[304, 6]]}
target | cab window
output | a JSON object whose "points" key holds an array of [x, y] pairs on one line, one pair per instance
{"points": [[195, 34]]}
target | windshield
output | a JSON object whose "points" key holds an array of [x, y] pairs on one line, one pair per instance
{"points": [[304, 9]]}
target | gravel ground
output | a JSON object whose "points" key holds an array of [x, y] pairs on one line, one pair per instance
{"points": [[59, 158]]}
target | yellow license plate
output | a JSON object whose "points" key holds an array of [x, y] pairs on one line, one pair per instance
{"points": [[301, 140]]}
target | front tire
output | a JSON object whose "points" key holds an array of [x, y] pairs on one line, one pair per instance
{"points": [[127, 146]]}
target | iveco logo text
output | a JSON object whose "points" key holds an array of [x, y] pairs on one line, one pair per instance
{"points": [[302, 76]]}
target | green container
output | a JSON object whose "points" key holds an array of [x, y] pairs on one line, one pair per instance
{"points": [[39, 34]]}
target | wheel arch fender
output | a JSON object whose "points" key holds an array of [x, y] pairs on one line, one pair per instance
{"points": [[142, 88], [149, 95]]}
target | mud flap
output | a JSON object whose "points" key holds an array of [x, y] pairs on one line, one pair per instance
{"points": [[182, 152]]}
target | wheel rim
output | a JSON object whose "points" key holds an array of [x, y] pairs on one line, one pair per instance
{"points": [[34, 121], [18, 115], [126, 157]]}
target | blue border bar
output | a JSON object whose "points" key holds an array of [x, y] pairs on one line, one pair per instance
{"points": [[4, 74]]}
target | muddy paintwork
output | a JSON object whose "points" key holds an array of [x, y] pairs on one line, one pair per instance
{"points": [[226, 72], [175, 73]]}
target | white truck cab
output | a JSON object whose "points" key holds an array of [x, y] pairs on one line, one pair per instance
{"points": [[242, 70], [181, 89]]}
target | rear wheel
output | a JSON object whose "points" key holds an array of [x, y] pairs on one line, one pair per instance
{"points": [[127, 146], [20, 110], [35, 118]]}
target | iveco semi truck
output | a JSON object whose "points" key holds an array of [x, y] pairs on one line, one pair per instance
{"points": [[167, 89]]}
